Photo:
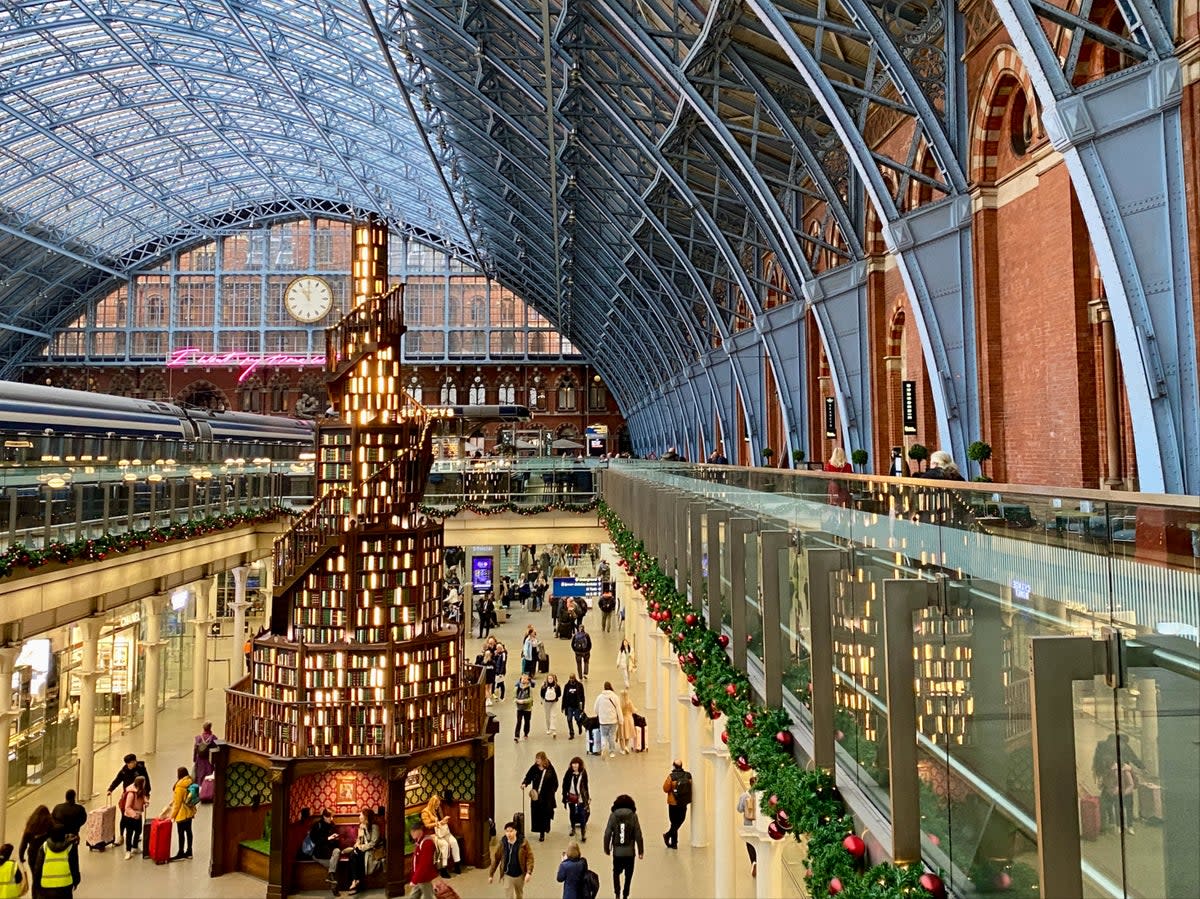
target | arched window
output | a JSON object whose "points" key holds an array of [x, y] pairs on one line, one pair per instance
{"points": [[449, 395], [414, 388], [506, 395], [477, 395], [566, 400]]}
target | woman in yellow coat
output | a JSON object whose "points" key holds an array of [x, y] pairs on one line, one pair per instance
{"points": [[182, 810], [438, 825]]}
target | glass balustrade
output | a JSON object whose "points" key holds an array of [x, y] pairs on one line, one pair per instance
{"points": [[1002, 565]]}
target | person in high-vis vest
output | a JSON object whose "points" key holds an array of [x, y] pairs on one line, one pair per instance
{"points": [[10, 873], [58, 873]]}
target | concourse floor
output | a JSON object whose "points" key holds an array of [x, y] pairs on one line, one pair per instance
{"points": [[662, 874]]}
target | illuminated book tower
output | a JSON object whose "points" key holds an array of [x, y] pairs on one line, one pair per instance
{"points": [[359, 661]]}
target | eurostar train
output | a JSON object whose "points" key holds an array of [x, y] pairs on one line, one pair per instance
{"points": [[53, 425]]}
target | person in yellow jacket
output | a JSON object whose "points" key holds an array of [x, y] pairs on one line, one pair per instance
{"points": [[182, 810], [58, 873], [10, 873]]}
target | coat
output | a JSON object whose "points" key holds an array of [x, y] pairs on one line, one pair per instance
{"points": [[623, 816], [524, 856], [541, 810], [570, 875], [573, 695]]}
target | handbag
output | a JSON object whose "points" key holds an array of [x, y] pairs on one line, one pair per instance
{"points": [[534, 792]]}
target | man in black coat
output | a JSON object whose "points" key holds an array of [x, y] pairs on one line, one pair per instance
{"points": [[70, 815], [128, 773]]}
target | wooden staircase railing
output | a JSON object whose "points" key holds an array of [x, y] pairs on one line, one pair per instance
{"points": [[309, 538], [373, 325]]}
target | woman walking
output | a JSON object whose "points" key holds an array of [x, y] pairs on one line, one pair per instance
{"points": [[37, 831], [500, 661], [626, 663], [133, 805], [551, 693], [577, 797], [542, 781], [627, 736]]}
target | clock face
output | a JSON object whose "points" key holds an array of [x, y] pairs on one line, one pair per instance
{"points": [[308, 299]]}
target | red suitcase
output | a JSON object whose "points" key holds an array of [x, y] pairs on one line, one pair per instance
{"points": [[160, 840], [1089, 816]]}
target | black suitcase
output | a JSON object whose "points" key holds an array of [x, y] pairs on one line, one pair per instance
{"points": [[146, 835], [593, 735], [564, 628], [543, 663]]}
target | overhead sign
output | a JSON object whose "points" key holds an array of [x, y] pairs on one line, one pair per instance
{"points": [[190, 357]]}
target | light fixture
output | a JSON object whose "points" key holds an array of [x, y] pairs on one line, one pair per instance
{"points": [[154, 477], [130, 477], [56, 482]]}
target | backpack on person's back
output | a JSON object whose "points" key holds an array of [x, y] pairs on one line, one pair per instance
{"points": [[581, 642], [683, 788]]}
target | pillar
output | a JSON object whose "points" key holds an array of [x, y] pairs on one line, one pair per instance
{"points": [[648, 664], [727, 838], [268, 588], [681, 705], [85, 745], [666, 702], [206, 599], [8, 659], [237, 663], [769, 883], [698, 763], [152, 644]]}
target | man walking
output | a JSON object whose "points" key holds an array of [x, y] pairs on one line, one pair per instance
{"points": [[514, 858], [622, 837], [608, 710], [678, 787], [581, 645], [608, 605], [70, 815]]}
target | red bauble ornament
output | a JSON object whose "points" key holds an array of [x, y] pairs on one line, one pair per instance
{"points": [[839, 736], [934, 839], [748, 720], [713, 711], [692, 680], [785, 822], [855, 845], [774, 831], [784, 739], [679, 638], [742, 763], [1003, 880], [731, 689], [723, 639], [933, 884], [773, 801], [690, 619], [695, 699], [835, 887], [725, 737], [654, 605]]}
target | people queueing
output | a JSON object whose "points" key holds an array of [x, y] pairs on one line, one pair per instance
{"points": [[623, 840], [542, 782], [514, 859], [678, 787]]}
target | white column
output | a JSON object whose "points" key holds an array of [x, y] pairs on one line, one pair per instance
{"points": [[682, 711], [666, 702], [85, 743], [8, 658], [268, 588], [727, 840], [152, 644], [769, 882], [647, 662], [701, 773], [237, 662], [206, 600]]}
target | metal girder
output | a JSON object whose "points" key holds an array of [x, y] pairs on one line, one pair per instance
{"points": [[1136, 218]]}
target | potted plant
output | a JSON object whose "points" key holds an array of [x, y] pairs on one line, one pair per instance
{"points": [[859, 458], [918, 453], [797, 457], [767, 454], [979, 452]]}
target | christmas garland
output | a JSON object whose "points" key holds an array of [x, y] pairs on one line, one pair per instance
{"points": [[799, 802], [97, 549], [489, 508]]}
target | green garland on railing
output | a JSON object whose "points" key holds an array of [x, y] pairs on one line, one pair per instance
{"points": [[485, 508], [97, 549], [759, 738]]}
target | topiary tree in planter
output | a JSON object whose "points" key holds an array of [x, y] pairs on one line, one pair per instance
{"points": [[797, 457], [918, 453], [859, 457], [979, 452], [767, 455]]}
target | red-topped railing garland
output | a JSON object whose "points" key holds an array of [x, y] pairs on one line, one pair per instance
{"points": [[799, 802]]}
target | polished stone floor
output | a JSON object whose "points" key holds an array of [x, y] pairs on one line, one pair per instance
{"points": [[663, 874]]}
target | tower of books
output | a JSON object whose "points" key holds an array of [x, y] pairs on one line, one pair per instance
{"points": [[359, 672]]}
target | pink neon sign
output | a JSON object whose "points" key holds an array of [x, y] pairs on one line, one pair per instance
{"points": [[189, 357]]}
